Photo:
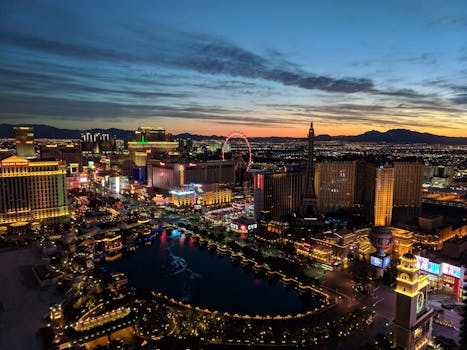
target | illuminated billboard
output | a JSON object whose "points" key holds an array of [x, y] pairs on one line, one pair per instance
{"points": [[376, 261], [434, 268], [451, 270], [426, 265], [422, 263], [379, 261], [386, 261]]}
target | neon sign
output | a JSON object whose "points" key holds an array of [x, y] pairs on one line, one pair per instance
{"points": [[14, 163], [451, 270], [426, 265], [375, 261]]}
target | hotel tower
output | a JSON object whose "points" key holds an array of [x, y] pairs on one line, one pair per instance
{"points": [[31, 191]]}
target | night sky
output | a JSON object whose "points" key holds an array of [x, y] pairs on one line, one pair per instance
{"points": [[261, 67]]}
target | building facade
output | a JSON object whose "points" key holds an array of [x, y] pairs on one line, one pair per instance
{"points": [[408, 186], [278, 194], [335, 183], [202, 195], [25, 142], [96, 143], [381, 191], [384, 191], [68, 152], [150, 143], [32, 191], [168, 175]]}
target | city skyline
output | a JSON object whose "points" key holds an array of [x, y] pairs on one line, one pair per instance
{"points": [[212, 67]]}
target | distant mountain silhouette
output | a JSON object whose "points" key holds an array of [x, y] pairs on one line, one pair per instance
{"points": [[390, 136], [400, 136], [46, 131]]}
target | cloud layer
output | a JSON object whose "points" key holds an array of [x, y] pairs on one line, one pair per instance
{"points": [[68, 72]]}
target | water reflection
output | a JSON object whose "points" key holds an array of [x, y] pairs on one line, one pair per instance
{"points": [[177, 267]]}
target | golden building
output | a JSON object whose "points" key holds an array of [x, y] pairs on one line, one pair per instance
{"points": [[32, 191], [150, 142], [183, 197], [414, 316], [215, 197], [206, 195], [384, 190], [403, 241]]}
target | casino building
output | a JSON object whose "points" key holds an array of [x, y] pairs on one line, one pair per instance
{"points": [[150, 142], [442, 276], [170, 175], [31, 192]]}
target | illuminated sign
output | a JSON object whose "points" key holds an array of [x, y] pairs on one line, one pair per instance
{"points": [[83, 179], [375, 261], [433, 268], [426, 265], [449, 279], [252, 226], [386, 261], [421, 301], [451, 270], [181, 193], [14, 163], [422, 263]]}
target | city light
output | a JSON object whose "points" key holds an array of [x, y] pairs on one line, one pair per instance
{"points": [[244, 175]]}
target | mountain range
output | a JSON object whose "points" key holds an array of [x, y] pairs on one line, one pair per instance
{"points": [[390, 136]]}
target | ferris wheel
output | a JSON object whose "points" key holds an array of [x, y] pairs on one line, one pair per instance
{"points": [[238, 134]]}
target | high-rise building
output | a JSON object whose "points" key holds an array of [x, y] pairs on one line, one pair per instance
{"points": [[32, 191], [168, 175], [384, 189], [68, 152], [408, 184], [309, 196], [150, 134], [439, 176], [383, 192], [25, 142], [278, 194], [98, 143], [335, 183], [151, 143], [414, 317]]}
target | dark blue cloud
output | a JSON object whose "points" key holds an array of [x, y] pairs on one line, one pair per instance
{"points": [[198, 53]]}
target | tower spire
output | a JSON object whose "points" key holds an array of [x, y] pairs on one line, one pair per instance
{"points": [[309, 198]]}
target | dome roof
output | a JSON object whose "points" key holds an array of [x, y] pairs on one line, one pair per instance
{"points": [[409, 256], [381, 231]]}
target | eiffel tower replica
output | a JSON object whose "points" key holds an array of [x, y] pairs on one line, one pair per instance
{"points": [[308, 222], [309, 196]]}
